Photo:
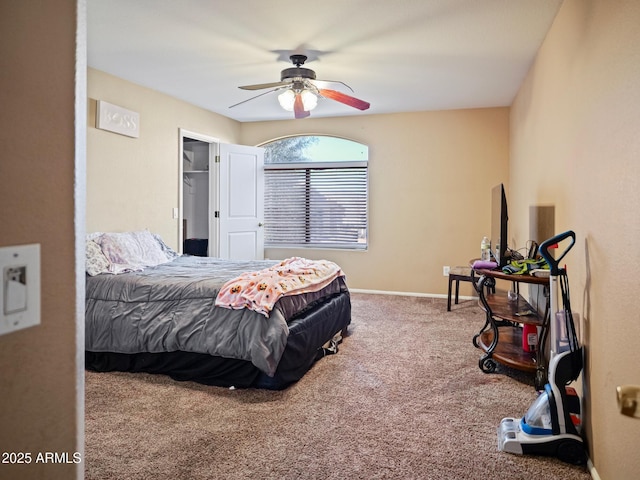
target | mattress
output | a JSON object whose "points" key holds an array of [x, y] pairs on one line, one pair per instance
{"points": [[164, 320]]}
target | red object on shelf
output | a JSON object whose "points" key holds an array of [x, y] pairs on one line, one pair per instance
{"points": [[529, 338]]}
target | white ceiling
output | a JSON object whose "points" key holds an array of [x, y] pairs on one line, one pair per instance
{"points": [[399, 55]]}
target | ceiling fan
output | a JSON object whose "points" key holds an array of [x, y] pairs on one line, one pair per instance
{"points": [[301, 90]]}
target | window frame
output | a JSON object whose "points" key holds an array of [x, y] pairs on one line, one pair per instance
{"points": [[362, 242]]}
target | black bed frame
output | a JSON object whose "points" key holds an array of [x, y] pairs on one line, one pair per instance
{"points": [[308, 332]]}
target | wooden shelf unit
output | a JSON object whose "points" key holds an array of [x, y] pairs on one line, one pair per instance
{"points": [[501, 337], [508, 351]]}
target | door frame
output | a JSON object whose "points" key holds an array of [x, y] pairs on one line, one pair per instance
{"points": [[213, 151]]}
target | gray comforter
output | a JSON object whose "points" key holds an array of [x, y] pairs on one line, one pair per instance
{"points": [[170, 307]]}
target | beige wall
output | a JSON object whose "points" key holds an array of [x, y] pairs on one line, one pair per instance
{"points": [[39, 406], [132, 183], [430, 179], [575, 144]]}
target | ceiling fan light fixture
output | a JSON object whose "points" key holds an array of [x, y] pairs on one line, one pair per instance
{"points": [[286, 99], [301, 90], [309, 100]]}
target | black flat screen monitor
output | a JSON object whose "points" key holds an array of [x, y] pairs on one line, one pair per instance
{"points": [[499, 220]]}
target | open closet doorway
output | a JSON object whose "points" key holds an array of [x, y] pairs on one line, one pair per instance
{"points": [[197, 153], [221, 198]]}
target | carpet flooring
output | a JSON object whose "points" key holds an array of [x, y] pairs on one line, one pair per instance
{"points": [[402, 399]]}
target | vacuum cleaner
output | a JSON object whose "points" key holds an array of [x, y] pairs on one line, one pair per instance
{"points": [[552, 424]]}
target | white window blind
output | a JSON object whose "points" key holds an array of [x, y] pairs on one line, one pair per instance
{"points": [[316, 205]]}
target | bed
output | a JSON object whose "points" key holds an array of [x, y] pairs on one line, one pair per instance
{"points": [[151, 310]]}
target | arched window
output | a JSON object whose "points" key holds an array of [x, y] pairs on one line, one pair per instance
{"points": [[316, 192]]}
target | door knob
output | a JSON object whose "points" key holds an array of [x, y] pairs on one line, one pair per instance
{"points": [[260, 224]]}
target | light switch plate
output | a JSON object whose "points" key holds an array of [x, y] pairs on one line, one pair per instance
{"points": [[19, 287]]}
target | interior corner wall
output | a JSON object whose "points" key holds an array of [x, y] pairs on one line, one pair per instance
{"points": [[430, 180], [575, 145], [39, 410], [132, 183]]}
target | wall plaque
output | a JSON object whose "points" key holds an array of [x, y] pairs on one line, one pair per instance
{"points": [[117, 119]]}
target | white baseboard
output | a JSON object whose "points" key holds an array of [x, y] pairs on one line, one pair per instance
{"points": [[408, 294], [592, 470]]}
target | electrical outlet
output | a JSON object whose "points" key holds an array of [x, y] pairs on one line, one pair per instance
{"points": [[445, 271]]}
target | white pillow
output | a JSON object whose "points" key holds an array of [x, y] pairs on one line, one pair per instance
{"points": [[96, 262], [133, 249], [93, 235], [168, 251]]}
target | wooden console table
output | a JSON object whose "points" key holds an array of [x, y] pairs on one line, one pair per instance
{"points": [[501, 336]]}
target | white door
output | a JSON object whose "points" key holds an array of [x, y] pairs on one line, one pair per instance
{"points": [[241, 202]]}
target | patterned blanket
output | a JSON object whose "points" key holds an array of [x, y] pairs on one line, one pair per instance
{"points": [[259, 291]]}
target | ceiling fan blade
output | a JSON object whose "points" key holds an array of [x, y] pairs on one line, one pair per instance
{"points": [[256, 96], [260, 86], [344, 98], [325, 83], [298, 108]]}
